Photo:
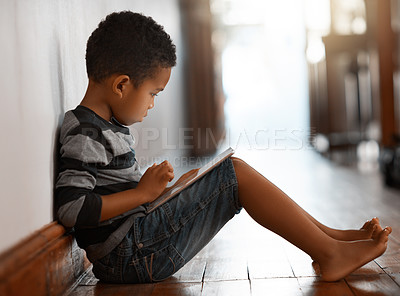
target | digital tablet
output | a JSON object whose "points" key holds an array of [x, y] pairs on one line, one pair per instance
{"points": [[182, 184]]}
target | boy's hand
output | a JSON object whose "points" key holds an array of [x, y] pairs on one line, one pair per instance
{"points": [[182, 178], [187, 176], [155, 179]]}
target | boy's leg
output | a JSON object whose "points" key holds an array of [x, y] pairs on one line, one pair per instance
{"points": [[370, 229], [274, 210]]}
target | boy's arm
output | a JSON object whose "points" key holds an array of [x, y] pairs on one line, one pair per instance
{"points": [[117, 203], [150, 186]]}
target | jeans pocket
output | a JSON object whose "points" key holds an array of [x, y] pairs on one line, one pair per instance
{"points": [[102, 270], [125, 248], [161, 264]]}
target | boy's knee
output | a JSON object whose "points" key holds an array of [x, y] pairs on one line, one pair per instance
{"points": [[237, 163], [236, 160]]}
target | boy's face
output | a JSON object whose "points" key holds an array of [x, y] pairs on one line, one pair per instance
{"points": [[136, 102]]}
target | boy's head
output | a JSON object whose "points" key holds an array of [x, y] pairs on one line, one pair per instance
{"points": [[129, 59], [131, 44]]}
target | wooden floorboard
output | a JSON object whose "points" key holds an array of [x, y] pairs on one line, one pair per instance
{"points": [[374, 284], [276, 286], [312, 286], [226, 269], [396, 278], [245, 259], [177, 289], [193, 271], [235, 288]]}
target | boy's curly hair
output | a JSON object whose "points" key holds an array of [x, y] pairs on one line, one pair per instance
{"points": [[128, 43]]}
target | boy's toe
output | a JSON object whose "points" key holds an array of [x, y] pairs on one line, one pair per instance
{"points": [[388, 229]]}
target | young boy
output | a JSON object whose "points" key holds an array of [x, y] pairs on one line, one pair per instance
{"points": [[103, 196]]}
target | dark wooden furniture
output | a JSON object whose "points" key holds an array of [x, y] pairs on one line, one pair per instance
{"points": [[352, 91]]}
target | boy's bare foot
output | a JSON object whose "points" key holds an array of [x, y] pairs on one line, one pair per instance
{"points": [[348, 256], [370, 229]]}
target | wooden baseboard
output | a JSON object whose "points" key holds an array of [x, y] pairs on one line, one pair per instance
{"points": [[46, 263]]}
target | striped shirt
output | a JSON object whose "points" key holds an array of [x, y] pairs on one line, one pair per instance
{"points": [[96, 158]]}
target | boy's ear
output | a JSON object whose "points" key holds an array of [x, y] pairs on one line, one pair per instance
{"points": [[119, 84]]}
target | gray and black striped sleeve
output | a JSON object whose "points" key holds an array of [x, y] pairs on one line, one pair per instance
{"points": [[82, 150]]}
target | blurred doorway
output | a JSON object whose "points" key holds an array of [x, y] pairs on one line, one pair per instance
{"points": [[262, 48]]}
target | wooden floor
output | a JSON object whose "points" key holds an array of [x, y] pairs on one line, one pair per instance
{"points": [[245, 259]]}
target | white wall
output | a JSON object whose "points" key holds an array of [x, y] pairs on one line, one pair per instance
{"points": [[42, 75]]}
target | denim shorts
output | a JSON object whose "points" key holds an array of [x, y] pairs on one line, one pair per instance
{"points": [[160, 243]]}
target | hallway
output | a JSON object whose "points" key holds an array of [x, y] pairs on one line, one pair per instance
{"points": [[267, 121], [265, 82]]}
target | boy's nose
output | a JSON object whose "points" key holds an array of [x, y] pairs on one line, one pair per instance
{"points": [[151, 106]]}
